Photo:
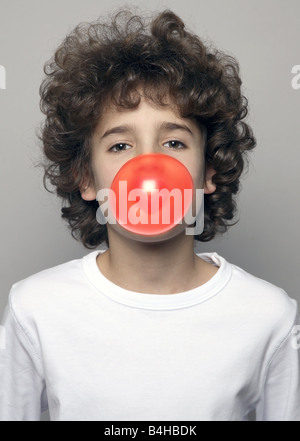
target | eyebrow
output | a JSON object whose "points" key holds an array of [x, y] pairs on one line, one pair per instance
{"points": [[164, 126]]}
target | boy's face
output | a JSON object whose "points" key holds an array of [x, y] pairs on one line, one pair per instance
{"points": [[124, 134]]}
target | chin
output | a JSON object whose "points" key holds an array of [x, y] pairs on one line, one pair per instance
{"points": [[177, 230]]}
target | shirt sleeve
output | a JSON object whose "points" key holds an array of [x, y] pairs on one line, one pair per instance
{"points": [[22, 388], [280, 399]]}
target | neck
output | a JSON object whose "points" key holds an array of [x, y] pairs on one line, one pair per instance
{"points": [[169, 266]]}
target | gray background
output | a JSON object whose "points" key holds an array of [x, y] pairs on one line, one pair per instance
{"points": [[265, 37]]}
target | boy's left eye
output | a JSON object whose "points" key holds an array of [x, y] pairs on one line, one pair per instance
{"points": [[174, 144]]}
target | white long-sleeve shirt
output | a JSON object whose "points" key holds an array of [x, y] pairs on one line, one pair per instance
{"points": [[88, 350]]}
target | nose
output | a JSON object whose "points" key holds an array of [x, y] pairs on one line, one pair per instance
{"points": [[147, 150], [147, 147]]}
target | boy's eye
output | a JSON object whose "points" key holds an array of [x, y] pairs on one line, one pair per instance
{"points": [[175, 144], [119, 147]]}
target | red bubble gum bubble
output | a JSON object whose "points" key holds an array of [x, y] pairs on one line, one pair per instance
{"points": [[153, 193]]}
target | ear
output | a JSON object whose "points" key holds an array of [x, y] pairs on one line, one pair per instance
{"points": [[209, 186], [88, 192]]}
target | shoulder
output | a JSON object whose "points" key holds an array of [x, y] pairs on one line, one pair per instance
{"points": [[267, 303], [40, 289], [252, 301], [259, 290], [246, 288]]}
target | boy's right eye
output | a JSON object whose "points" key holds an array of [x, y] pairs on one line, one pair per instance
{"points": [[119, 147]]}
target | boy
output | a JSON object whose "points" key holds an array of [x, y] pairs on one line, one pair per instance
{"points": [[147, 329]]}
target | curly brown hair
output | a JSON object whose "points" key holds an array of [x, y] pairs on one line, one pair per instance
{"points": [[107, 61]]}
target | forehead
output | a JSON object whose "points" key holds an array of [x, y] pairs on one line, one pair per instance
{"points": [[146, 112]]}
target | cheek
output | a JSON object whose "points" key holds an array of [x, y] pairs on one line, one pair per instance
{"points": [[104, 173], [196, 169]]}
